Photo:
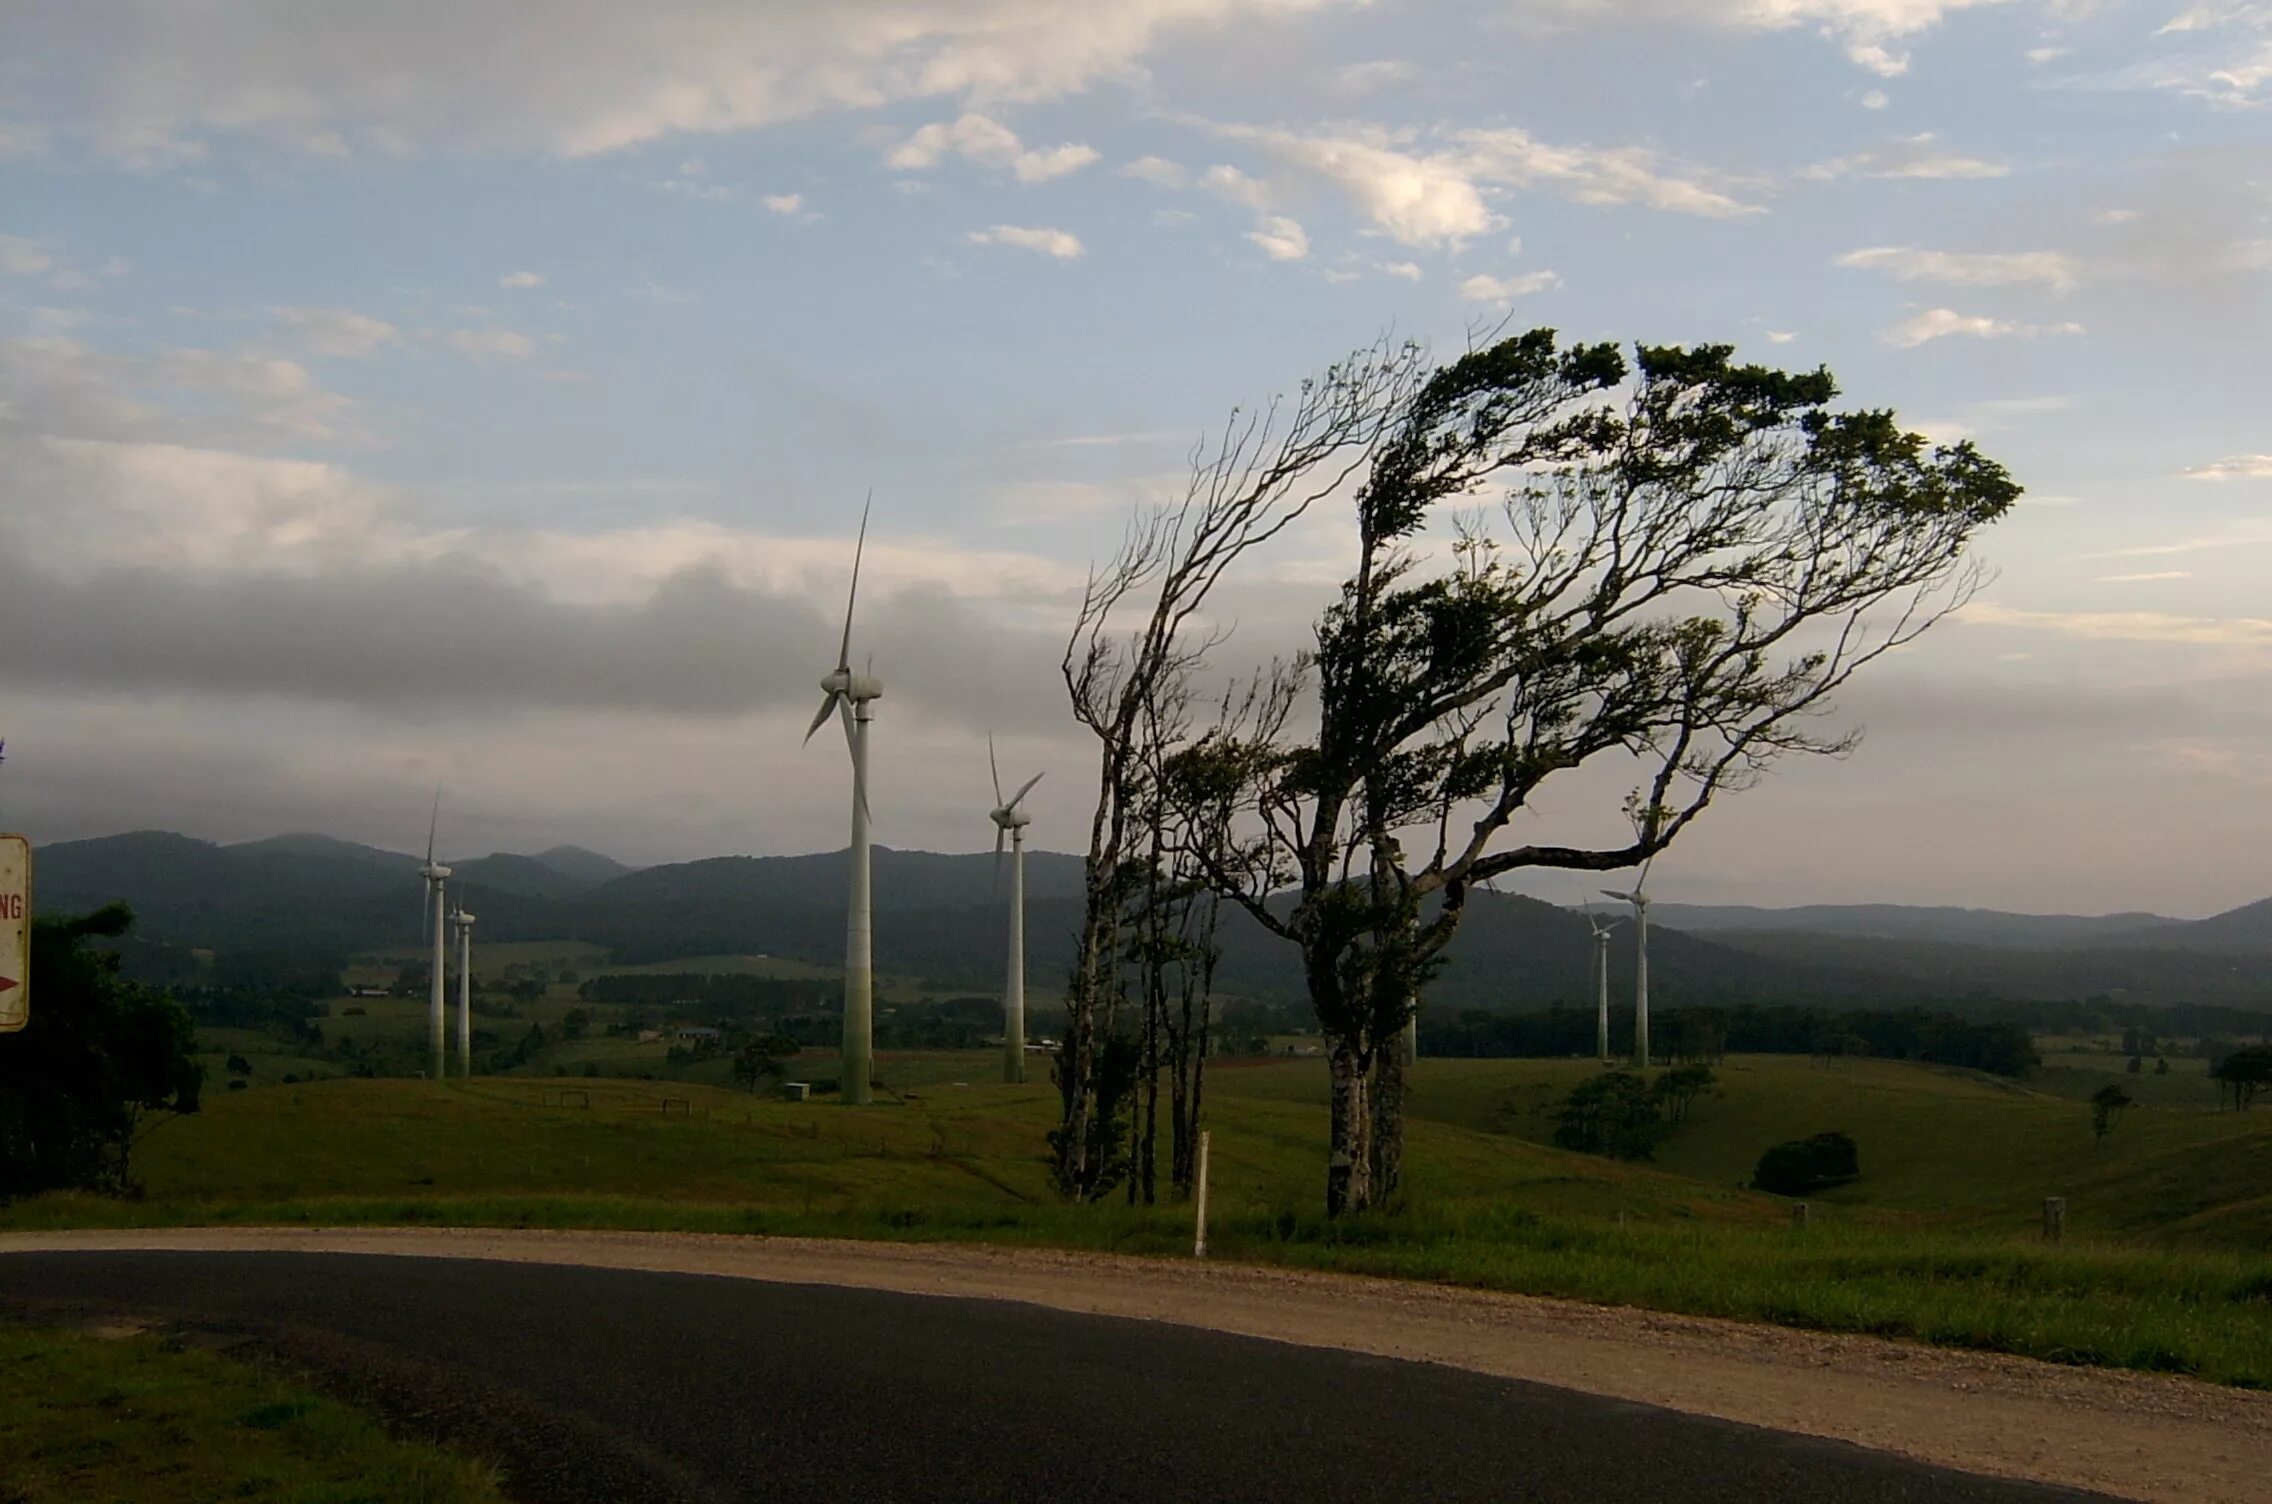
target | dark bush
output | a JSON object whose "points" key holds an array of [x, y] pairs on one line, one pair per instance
{"points": [[1806, 1165]]}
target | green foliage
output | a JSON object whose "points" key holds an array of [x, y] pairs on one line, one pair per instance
{"points": [[1676, 1091], [2243, 1073], [760, 1058], [1615, 1114], [1806, 1165], [98, 1054]]}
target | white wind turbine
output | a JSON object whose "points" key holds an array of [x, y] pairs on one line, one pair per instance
{"points": [[461, 924], [1011, 821], [850, 697], [1640, 901], [437, 876], [1601, 982]]}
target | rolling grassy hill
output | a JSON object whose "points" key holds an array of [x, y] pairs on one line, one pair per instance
{"points": [[1923, 1245]]}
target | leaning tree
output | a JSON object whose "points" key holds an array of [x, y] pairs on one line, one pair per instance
{"points": [[1689, 557]]}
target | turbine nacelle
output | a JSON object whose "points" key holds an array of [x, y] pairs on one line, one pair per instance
{"points": [[1009, 818], [434, 872], [1638, 899]]}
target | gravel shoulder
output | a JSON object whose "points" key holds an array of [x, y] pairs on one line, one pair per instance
{"points": [[2138, 1436]]}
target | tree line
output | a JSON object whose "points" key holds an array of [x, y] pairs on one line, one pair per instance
{"points": [[1704, 1035]]}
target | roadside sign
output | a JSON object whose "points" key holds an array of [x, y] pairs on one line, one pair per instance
{"points": [[15, 933]]}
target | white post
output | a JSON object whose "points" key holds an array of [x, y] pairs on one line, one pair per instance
{"points": [[1199, 1239], [435, 984], [857, 1055], [465, 999], [1641, 988], [1601, 996], [1014, 989]]}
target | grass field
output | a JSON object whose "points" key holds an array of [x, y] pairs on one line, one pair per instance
{"points": [[2165, 1266], [116, 1417]]}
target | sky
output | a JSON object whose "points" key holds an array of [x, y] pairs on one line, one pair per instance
{"points": [[483, 394]]}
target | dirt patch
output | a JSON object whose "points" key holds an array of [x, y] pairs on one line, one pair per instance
{"points": [[2141, 1436]]}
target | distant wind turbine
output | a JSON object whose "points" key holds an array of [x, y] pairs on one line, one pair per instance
{"points": [[849, 696], [462, 923], [1601, 982], [1011, 821], [437, 876], [1640, 901]]}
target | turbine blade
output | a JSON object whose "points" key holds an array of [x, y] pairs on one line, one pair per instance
{"points": [[844, 650], [433, 822], [1642, 881], [998, 834], [1021, 793], [827, 704], [996, 769]]}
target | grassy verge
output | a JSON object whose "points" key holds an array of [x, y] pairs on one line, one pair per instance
{"points": [[91, 1419]]}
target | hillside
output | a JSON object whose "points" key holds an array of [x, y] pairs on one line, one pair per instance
{"points": [[1893, 921]]}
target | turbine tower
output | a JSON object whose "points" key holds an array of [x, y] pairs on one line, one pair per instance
{"points": [[851, 697], [1640, 901], [461, 924], [1601, 983], [437, 876], [1011, 821]]}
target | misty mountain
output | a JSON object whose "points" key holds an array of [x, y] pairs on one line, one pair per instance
{"points": [[938, 917], [587, 867], [1892, 921]]}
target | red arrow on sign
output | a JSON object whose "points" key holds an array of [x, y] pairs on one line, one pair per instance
{"points": [[6, 983]]}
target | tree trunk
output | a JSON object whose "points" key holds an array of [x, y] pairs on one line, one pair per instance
{"points": [[1387, 1106], [1349, 1167]]}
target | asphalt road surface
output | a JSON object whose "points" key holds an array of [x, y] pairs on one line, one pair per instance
{"points": [[610, 1385]]}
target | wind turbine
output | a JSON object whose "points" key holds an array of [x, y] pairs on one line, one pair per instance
{"points": [[1601, 982], [850, 696], [1011, 821], [462, 923], [1640, 901], [436, 877]]}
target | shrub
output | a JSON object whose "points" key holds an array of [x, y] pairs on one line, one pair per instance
{"points": [[1806, 1165]]}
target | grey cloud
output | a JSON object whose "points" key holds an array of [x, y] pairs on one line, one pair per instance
{"points": [[444, 636]]}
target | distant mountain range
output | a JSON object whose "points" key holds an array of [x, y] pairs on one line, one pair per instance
{"points": [[938, 918]]}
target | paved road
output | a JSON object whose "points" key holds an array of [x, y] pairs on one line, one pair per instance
{"points": [[609, 1385]]}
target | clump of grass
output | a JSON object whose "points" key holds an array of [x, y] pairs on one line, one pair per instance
{"points": [[92, 1417]]}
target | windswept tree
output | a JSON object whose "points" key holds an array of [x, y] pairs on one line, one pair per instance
{"points": [[1139, 638], [1689, 557]]}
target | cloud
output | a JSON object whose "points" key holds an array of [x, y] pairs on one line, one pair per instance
{"points": [[1057, 243], [656, 292], [1940, 323], [2144, 577], [2051, 269], [490, 344], [2233, 467], [1780, 336], [1409, 271], [22, 138], [1158, 171], [1875, 100], [1280, 238], [1919, 156], [153, 84], [784, 203], [1872, 33], [1481, 289], [337, 331], [20, 257], [976, 138], [1436, 189], [61, 386], [521, 279], [2128, 626]]}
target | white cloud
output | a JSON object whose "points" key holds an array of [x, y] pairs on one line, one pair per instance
{"points": [[1158, 171], [2235, 467], [20, 257], [1280, 238], [2250, 532], [2127, 626], [2145, 577], [490, 344], [1050, 242], [157, 83], [1780, 336], [22, 138], [1876, 99], [337, 331], [1227, 182], [521, 279], [2052, 269], [784, 203], [1409, 271], [976, 138], [1483, 289], [1919, 156], [1940, 323], [657, 292]]}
